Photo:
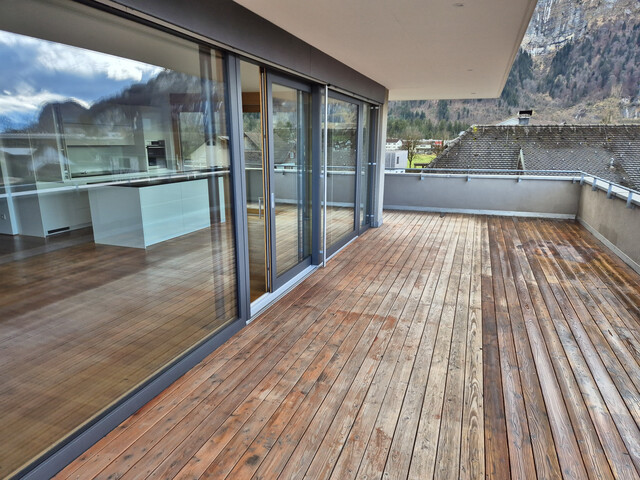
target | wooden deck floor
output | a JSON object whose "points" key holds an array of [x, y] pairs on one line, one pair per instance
{"points": [[453, 346]]}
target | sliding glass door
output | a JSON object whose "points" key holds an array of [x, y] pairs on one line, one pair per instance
{"points": [[349, 149], [277, 151], [342, 159], [290, 176]]}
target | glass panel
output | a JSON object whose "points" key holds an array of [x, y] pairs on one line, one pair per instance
{"points": [[292, 175], [342, 129], [116, 231], [364, 165], [254, 177]]}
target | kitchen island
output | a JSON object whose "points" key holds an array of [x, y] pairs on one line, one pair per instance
{"points": [[142, 213]]}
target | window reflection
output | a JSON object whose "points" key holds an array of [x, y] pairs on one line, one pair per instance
{"points": [[116, 235], [165, 123]]}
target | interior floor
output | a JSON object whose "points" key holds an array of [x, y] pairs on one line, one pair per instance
{"points": [[18, 247]]}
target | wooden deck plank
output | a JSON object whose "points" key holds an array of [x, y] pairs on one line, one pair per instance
{"points": [[400, 454], [435, 346], [611, 270], [592, 453], [288, 440], [379, 443], [520, 449], [472, 451], [610, 322], [425, 448], [617, 390], [611, 349], [450, 437], [404, 342], [369, 351], [497, 464]]}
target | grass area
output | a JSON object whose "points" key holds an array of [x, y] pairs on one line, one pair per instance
{"points": [[420, 158]]}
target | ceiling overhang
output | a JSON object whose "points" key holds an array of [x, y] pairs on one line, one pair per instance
{"points": [[436, 49]]}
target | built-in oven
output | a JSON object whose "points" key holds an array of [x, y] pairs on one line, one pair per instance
{"points": [[156, 154]]}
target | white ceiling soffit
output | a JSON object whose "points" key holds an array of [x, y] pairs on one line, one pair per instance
{"points": [[418, 49]]}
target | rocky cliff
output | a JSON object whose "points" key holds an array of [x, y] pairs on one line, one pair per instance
{"points": [[557, 22]]}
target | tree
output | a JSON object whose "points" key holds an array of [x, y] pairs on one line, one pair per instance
{"points": [[443, 110], [410, 138], [437, 148]]}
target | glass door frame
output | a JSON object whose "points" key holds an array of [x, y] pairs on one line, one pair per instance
{"points": [[358, 228], [371, 165], [272, 77]]}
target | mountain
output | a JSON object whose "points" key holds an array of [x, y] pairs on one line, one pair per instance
{"points": [[579, 62]]}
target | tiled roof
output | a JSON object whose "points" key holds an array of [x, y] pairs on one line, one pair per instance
{"points": [[608, 151]]}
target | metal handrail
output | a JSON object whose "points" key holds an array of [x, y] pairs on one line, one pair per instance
{"points": [[487, 170]]}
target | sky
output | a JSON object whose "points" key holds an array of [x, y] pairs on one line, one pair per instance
{"points": [[36, 72]]}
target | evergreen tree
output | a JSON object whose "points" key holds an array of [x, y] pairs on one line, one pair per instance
{"points": [[443, 110]]}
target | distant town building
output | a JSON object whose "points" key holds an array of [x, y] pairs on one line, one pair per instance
{"points": [[393, 144], [611, 152], [521, 119], [396, 159], [423, 148]]}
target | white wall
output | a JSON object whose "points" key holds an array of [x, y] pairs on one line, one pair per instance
{"points": [[488, 195], [613, 223]]}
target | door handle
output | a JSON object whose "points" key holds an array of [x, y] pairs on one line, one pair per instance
{"points": [[273, 201]]}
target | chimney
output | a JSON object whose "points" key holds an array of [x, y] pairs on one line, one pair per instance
{"points": [[524, 116]]}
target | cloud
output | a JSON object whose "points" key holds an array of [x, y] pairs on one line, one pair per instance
{"points": [[57, 57], [29, 101], [62, 58]]}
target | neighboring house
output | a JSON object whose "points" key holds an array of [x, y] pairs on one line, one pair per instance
{"points": [[396, 159], [393, 144], [424, 148], [608, 151]]}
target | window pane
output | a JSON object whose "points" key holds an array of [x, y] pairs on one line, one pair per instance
{"points": [[342, 128], [364, 166], [116, 231], [292, 175]]}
